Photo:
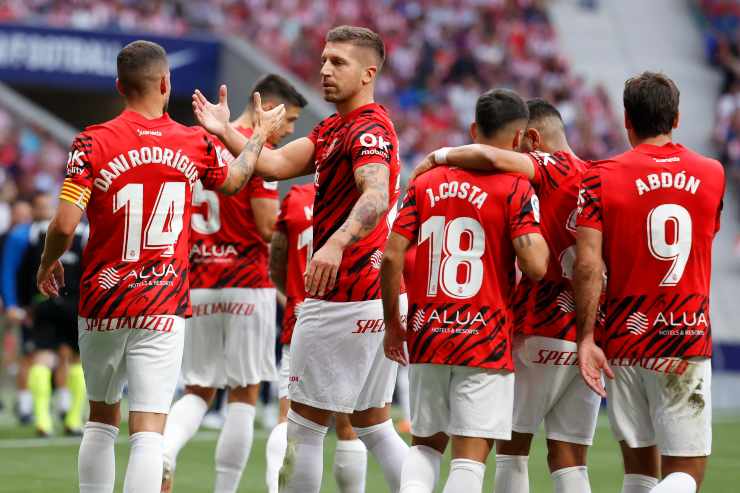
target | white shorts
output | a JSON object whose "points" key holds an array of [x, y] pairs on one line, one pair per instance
{"points": [[461, 400], [648, 406], [284, 377], [549, 388], [337, 360], [230, 340], [145, 351]]}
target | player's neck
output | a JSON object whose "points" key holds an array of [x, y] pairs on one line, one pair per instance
{"points": [[358, 100], [151, 110], [657, 141], [244, 120]]}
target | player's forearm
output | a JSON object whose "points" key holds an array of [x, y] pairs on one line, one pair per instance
{"points": [[57, 242], [364, 217], [533, 255], [241, 168], [279, 260], [487, 158], [587, 280], [391, 270]]}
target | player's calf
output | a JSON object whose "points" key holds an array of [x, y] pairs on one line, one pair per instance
{"points": [[468, 466], [681, 474]]}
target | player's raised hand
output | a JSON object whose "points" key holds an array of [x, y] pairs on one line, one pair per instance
{"points": [[591, 362], [424, 166], [50, 279], [394, 342], [213, 117], [271, 120], [321, 274]]}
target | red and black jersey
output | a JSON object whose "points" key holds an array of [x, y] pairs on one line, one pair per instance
{"points": [[463, 223], [342, 145], [295, 222], [135, 178], [658, 209], [226, 250], [547, 308]]}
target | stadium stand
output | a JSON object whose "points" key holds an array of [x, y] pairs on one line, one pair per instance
{"points": [[440, 56]]}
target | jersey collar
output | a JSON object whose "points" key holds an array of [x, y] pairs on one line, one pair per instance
{"points": [[352, 114], [668, 149], [139, 119]]}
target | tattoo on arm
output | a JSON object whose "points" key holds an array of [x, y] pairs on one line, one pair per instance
{"points": [[241, 168], [372, 180], [279, 260]]}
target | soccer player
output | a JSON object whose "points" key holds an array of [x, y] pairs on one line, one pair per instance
{"points": [[470, 227], [547, 386], [137, 173], [230, 340], [337, 361], [650, 216], [290, 253]]}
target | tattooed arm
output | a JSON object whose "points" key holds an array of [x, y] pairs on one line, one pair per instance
{"points": [[279, 259], [241, 168], [368, 211], [532, 255]]}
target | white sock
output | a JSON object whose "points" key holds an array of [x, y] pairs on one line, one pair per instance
{"points": [[62, 399], [350, 466], [388, 448], [571, 480], [420, 470], [233, 447], [638, 483], [144, 471], [512, 474], [466, 476], [304, 457], [182, 423], [96, 464], [277, 442], [676, 482], [25, 402]]}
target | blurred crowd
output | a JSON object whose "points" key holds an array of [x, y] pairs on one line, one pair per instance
{"points": [[441, 54], [722, 35], [31, 161]]}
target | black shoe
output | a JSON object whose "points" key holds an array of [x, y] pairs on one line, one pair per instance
{"points": [[70, 432]]}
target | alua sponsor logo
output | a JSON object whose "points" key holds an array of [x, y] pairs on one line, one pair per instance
{"points": [[202, 250]]}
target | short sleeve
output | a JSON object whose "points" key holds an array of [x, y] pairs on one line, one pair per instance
{"points": [[407, 220], [524, 209], [590, 212], [261, 189], [549, 171], [314, 135], [78, 175], [372, 143], [214, 170], [282, 221]]}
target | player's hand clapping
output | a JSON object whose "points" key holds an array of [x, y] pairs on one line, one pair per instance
{"points": [[321, 274], [269, 121], [212, 117], [50, 279]]}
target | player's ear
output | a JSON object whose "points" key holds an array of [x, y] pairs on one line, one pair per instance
{"points": [[627, 122], [119, 87], [677, 120], [369, 74], [163, 85], [517, 139], [534, 137], [474, 132]]}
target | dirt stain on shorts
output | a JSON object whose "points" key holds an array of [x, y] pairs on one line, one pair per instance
{"points": [[679, 386]]}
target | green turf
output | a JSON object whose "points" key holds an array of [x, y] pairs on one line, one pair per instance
{"points": [[37, 465]]}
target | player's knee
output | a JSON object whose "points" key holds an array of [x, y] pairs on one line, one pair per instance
{"points": [[246, 395], [205, 393], [146, 422], [370, 417], [519, 444], [644, 460], [437, 442], [109, 414], [561, 455], [693, 466]]}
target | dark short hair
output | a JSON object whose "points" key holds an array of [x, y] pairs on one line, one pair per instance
{"points": [[135, 63], [272, 86], [358, 36], [540, 109], [498, 108], [651, 104]]}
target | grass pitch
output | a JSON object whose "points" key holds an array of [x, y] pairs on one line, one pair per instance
{"points": [[32, 465]]}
